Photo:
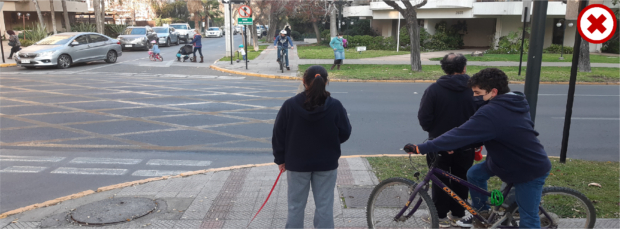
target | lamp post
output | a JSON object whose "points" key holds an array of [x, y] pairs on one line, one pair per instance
{"points": [[23, 17], [562, 23]]}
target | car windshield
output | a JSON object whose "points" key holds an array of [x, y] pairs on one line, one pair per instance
{"points": [[214, 29], [55, 40], [179, 26], [135, 31], [161, 30]]}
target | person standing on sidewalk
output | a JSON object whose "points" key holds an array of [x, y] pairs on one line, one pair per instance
{"points": [[288, 31], [13, 42], [307, 134], [446, 104], [337, 44], [197, 42], [282, 43]]}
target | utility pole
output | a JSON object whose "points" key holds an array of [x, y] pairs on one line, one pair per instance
{"points": [[534, 56]]}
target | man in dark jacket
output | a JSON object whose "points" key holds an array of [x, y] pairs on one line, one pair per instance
{"points": [[515, 154], [447, 104]]}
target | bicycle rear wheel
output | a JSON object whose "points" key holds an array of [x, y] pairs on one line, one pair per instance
{"points": [[151, 57], [567, 208], [390, 196], [160, 58]]}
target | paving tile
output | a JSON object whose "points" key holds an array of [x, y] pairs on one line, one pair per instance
{"points": [[22, 225], [187, 224]]}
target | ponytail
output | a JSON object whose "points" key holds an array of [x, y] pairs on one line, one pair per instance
{"points": [[316, 80]]}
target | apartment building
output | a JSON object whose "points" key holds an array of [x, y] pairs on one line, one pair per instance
{"points": [[11, 9], [486, 20]]}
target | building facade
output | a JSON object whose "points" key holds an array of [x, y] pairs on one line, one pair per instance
{"points": [[9, 18], [485, 20]]}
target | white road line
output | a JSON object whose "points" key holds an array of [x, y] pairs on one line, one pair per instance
{"points": [[178, 162], [185, 104], [106, 161], [588, 118], [30, 158], [250, 113], [156, 173], [579, 95], [231, 77], [89, 171], [23, 169]]}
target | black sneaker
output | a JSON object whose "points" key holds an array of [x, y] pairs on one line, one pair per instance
{"points": [[287, 68], [466, 221]]}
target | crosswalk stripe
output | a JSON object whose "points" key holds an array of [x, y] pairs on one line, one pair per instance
{"points": [[156, 173], [30, 158], [89, 171], [178, 162], [23, 169], [107, 161]]}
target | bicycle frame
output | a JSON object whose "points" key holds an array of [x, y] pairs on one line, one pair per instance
{"points": [[432, 176]]}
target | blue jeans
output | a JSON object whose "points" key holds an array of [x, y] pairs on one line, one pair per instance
{"points": [[323, 184], [527, 195], [199, 49], [285, 52]]}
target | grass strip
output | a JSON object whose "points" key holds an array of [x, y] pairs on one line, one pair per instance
{"points": [[547, 57], [575, 174], [251, 53], [433, 72], [326, 52]]}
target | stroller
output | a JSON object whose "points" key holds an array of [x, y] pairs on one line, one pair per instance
{"points": [[184, 53]]}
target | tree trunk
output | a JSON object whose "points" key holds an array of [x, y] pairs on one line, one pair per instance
{"points": [[39, 14], [333, 29], [97, 9], [584, 56], [66, 16], [53, 12], [317, 32], [102, 9], [197, 22], [254, 38], [414, 34]]}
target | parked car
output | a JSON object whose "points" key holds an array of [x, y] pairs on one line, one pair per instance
{"points": [[262, 31], [186, 33], [64, 49], [137, 37], [167, 36], [214, 32], [223, 30], [238, 29]]}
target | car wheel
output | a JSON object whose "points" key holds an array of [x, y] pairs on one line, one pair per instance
{"points": [[111, 57], [29, 67], [168, 42], [177, 43], [64, 61]]}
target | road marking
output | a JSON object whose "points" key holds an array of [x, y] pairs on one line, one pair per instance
{"points": [[156, 173], [586, 95], [23, 169], [588, 118], [89, 171], [107, 161], [178, 162], [30, 158]]}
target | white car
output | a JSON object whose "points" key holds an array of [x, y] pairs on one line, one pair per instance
{"points": [[186, 33], [214, 32]]}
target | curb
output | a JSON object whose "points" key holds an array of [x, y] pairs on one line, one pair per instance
{"points": [[8, 65], [384, 81], [132, 183]]}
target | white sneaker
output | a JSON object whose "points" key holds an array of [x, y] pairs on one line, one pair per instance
{"points": [[466, 221]]}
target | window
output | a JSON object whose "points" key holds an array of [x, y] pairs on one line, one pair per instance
{"points": [[135, 31], [214, 29], [97, 38], [161, 30], [179, 26], [55, 40], [82, 40]]}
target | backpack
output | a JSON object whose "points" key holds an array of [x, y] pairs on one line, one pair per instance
{"points": [[344, 42]]}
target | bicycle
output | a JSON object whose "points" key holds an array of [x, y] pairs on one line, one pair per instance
{"points": [[389, 201], [155, 57], [282, 58]]}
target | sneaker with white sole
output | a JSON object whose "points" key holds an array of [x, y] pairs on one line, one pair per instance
{"points": [[466, 221], [443, 222]]}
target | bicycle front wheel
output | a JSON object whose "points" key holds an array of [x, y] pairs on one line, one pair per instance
{"points": [[151, 57], [566, 208], [388, 199]]}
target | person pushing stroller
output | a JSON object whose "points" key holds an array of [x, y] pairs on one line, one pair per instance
{"points": [[184, 53]]}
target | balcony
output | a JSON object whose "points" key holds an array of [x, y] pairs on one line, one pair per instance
{"points": [[432, 4]]}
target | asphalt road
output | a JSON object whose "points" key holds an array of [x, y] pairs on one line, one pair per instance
{"points": [[92, 125]]}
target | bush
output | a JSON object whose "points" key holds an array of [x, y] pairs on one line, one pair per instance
{"points": [[26, 43], [611, 46], [557, 49], [296, 36], [511, 44], [372, 43], [114, 30], [361, 27], [83, 27], [445, 38], [405, 42]]}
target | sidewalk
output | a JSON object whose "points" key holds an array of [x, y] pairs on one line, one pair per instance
{"points": [[224, 199], [7, 51], [265, 63]]}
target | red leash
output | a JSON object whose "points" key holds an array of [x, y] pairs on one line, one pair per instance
{"points": [[272, 188]]}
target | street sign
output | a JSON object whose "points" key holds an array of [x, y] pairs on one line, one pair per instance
{"points": [[244, 21], [597, 24], [245, 11]]}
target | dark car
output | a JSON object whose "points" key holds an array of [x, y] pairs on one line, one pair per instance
{"points": [[137, 37], [167, 36]]}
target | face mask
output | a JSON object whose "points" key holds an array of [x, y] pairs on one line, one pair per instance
{"points": [[479, 100], [340, 37]]}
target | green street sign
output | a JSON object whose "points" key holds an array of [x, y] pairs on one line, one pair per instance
{"points": [[245, 21]]}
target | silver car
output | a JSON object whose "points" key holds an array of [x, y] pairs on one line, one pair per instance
{"points": [[64, 49], [166, 36], [137, 37]]}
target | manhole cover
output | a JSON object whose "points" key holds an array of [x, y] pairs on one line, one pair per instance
{"points": [[115, 210]]}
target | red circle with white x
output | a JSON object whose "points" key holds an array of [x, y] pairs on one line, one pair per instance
{"points": [[596, 23]]}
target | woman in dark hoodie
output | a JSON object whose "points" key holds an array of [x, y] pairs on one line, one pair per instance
{"points": [[306, 142]]}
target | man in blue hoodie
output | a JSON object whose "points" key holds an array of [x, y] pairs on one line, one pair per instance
{"points": [[447, 104], [515, 154]]}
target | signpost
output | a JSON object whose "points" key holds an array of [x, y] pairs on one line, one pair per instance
{"points": [[244, 21]]}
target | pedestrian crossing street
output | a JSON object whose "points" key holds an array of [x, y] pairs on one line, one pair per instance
{"points": [[97, 166]]}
